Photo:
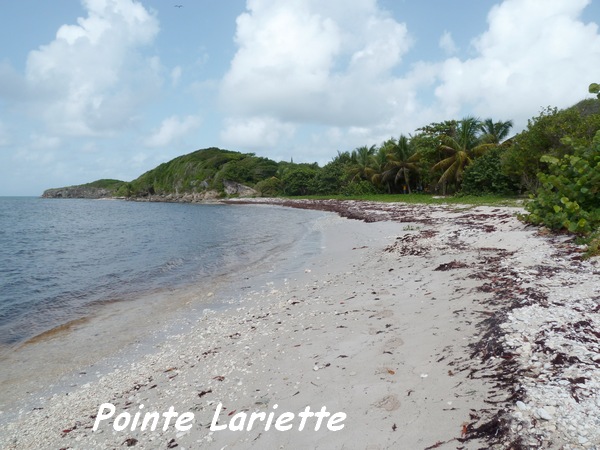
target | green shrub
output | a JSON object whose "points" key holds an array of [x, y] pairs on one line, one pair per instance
{"points": [[331, 179], [362, 187], [545, 136], [484, 176], [299, 179], [271, 187], [569, 194]]}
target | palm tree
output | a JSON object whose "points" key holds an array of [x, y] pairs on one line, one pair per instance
{"points": [[495, 132], [342, 157], [379, 162], [460, 149], [361, 163], [402, 161]]}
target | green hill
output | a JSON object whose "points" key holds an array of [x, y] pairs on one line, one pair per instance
{"points": [[199, 171]]}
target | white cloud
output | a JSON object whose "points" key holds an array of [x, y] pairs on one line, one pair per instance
{"points": [[533, 54], [171, 130], [91, 77], [339, 64], [447, 43], [256, 132], [313, 61]]}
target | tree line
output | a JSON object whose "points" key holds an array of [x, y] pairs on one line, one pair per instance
{"points": [[555, 160], [466, 156]]}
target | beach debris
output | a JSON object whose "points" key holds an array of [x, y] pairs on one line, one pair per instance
{"points": [[464, 429], [203, 393], [130, 442], [219, 378], [264, 402], [172, 443], [68, 430], [438, 444], [451, 265]]}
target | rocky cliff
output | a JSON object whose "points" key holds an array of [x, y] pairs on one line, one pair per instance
{"points": [[77, 192], [231, 188]]}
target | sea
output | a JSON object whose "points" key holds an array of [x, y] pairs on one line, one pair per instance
{"points": [[63, 260]]}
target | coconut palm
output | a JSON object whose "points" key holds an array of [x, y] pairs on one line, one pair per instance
{"points": [[360, 168], [460, 150], [495, 132], [402, 161], [379, 163]]}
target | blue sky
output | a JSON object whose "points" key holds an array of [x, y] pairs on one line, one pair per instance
{"points": [[111, 88]]}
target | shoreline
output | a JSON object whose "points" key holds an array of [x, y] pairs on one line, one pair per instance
{"points": [[414, 326], [58, 358]]}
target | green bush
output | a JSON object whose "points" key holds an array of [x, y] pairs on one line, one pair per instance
{"points": [[484, 176], [544, 136], [362, 187], [331, 179], [569, 194], [299, 179], [271, 187]]}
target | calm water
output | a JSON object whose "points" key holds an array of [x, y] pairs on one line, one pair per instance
{"points": [[59, 259]]}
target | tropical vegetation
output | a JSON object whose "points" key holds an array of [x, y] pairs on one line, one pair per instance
{"points": [[555, 161]]}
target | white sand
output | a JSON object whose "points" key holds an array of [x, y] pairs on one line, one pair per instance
{"points": [[370, 329]]}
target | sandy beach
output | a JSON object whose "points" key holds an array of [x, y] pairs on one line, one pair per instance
{"points": [[448, 327]]}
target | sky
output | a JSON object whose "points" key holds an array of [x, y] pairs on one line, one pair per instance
{"points": [[93, 89]]}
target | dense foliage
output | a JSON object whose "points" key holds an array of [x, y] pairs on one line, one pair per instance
{"points": [[554, 160], [485, 176], [466, 156], [105, 184], [569, 194], [201, 170], [544, 136]]}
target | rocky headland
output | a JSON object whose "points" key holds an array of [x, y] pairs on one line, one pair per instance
{"points": [[78, 192]]}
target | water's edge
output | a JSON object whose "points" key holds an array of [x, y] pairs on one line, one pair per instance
{"points": [[116, 333]]}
